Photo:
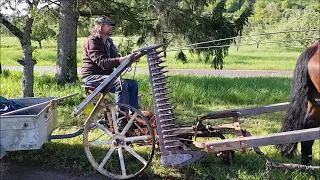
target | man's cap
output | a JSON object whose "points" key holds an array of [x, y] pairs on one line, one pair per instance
{"points": [[104, 20]]}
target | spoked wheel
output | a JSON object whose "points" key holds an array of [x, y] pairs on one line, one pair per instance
{"points": [[122, 144]]}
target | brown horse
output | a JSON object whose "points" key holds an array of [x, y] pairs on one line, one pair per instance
{"points": [[304, 109]]}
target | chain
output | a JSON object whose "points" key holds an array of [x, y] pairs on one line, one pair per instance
{"points": [[266, 174], [269, 165]]}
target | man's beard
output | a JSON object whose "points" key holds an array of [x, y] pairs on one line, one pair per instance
{"points": [[109, 33]]}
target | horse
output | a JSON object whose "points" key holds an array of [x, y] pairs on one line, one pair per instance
{"points": [[304, 107]]}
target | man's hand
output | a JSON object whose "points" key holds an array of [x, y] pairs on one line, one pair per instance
{"points": [[135, 56], [122, 59], [138, 56]]}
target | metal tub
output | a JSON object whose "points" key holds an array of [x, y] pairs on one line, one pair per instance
{"points": [[26, 132]]}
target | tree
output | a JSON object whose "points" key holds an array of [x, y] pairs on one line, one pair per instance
{"points": [[66, 67], [199, 21], [41, 28], [24, 36]]}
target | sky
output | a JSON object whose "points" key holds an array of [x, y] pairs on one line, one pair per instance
{"points": [[6, 10]]}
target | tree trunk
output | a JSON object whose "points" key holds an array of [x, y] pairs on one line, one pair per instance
{"points": [[40, 45], [28, 63], [66, 67]]}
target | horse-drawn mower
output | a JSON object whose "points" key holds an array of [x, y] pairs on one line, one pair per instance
{"points": [[134, 134]]}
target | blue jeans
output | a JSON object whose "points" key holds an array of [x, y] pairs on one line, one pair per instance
{"points": [[126, 91]]}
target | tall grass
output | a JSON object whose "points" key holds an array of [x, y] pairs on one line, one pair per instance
{"points": [[194, 96], [266, 57]]}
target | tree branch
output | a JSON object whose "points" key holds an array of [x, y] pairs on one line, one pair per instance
{"points": [[54, 2], [100, 13], [95, 13], [50, 3], [13, 29], [29, 3]]}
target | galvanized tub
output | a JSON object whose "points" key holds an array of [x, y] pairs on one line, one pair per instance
{"points": [[27, 132]]}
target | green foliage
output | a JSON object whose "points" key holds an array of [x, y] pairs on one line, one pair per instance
{"points": [[290, 20], [199, 21], [266, 12], [125, 46], [286, 4], [41, 31], [84, 25], [181, 56], [232, 5]]}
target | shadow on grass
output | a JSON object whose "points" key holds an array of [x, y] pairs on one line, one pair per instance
{"points": [[72, 158], [245, 166], [69, 158]]}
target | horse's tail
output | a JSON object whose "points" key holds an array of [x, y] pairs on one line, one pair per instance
{"points": [[297, 112]]}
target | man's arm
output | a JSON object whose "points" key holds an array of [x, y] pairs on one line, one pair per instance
{"points": [[100, 57]]}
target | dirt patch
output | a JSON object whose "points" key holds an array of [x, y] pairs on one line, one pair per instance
{"points": [[14, 171]]}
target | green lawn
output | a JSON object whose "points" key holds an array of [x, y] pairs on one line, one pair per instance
{"points": [[194, 96], [266, 57]]}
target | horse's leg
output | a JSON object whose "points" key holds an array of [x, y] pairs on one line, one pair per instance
{"points": [[311, 122], [306, 152]]}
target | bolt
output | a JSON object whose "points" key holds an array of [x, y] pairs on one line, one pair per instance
{"points": [[115, 143], [242, 144]]}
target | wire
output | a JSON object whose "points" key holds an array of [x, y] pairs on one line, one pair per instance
{"points": [[238, 37], [222, 46]]}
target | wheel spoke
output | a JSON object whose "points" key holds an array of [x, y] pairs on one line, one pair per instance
{"points": [[121, 158], [106, 158], [137, 138], [114, 119], [103, 128], [123, 167], [136, 155], [96, 143], [125, 129]]}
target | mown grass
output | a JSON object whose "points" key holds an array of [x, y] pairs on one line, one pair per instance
{"points": [[266, 57], [194, 96]]}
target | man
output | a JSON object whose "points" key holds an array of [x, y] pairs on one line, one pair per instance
{"points": [[100, 57]]}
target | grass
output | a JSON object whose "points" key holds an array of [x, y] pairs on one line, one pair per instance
{"points": [[266, 57], [194, 96]]}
